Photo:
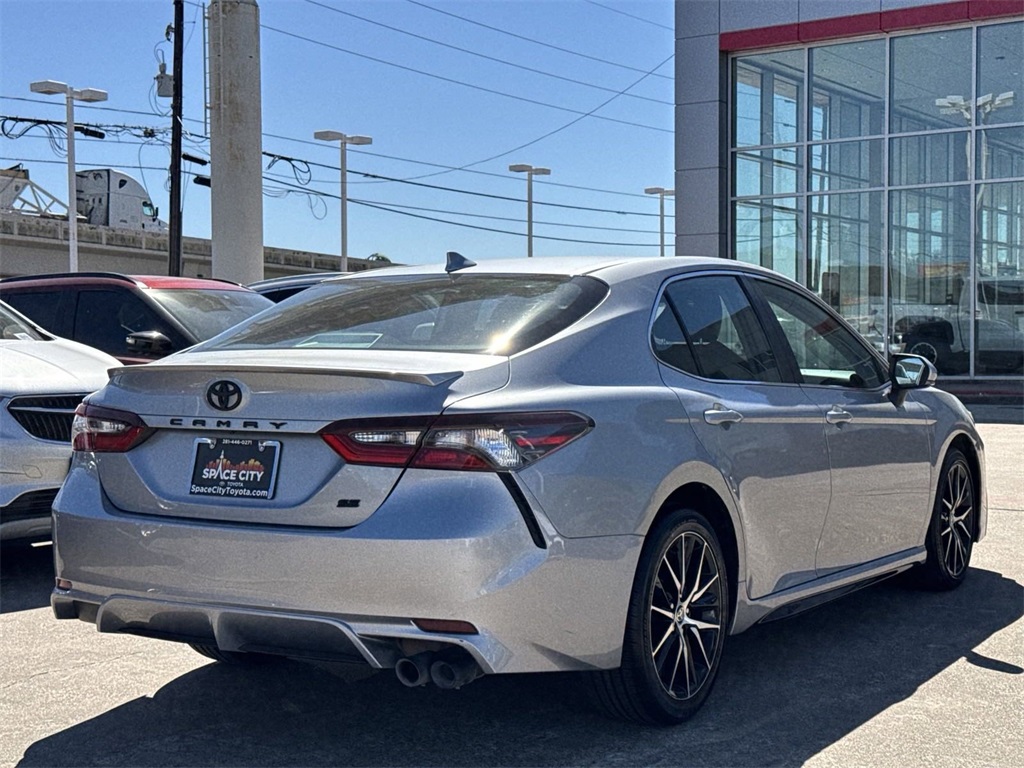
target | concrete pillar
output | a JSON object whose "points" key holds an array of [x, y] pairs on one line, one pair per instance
{"points": [[236, 127], [702, 172]]}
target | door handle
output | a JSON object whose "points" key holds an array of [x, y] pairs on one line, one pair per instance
{"points": [[837, 415], [719, 414]]}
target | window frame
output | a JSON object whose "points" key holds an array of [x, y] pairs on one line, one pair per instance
{"points": [[788, 364]]}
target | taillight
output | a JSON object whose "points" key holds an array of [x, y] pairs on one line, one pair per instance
{"points": [[475, 442], [379, 442], [106, 430]]}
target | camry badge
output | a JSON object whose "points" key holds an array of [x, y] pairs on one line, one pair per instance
{"points": [[224, 395]]}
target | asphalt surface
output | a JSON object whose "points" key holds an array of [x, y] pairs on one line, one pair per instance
{"points": [[890, 676]]}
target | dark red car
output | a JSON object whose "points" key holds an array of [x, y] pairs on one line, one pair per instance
{"points": [[135, 318]]}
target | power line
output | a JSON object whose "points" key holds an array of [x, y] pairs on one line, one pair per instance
{"points": [[630, 15], [466, 169], [483, 55], [319, 145], [529, 39], [500, 197], [488, 195], [473, 215], [560, 128], [504, 231], [288, 188], [461, 82]]}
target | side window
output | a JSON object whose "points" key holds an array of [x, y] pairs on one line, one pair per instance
{"points": [[103, 319], [725, 335], [39, 306], [825, 351], [668, 341]]}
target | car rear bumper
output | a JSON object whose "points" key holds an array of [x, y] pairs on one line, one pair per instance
{"points": [[450, 546]]}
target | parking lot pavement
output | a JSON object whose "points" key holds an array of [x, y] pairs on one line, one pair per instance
{"points": [[888, 676]]}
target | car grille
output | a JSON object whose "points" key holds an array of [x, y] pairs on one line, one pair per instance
{"points": [[47, 417], [29, 506]]}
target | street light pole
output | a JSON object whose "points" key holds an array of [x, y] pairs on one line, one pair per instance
{"points": [[530, 172], [52, 87], [344, 140], [662, 193]]}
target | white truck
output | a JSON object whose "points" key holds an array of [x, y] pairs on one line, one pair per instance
{"points": [[109, 198], [942, 334]]}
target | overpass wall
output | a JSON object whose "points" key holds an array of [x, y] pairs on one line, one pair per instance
{"points": [[34, 245]]}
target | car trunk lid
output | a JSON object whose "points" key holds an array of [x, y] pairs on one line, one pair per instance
{"points": [[236, 439]]}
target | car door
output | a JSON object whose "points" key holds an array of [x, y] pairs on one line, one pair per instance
{"points": [[104, 318], [878, 452], [765, 436]]}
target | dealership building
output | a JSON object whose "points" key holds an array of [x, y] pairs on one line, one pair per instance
{"points": [[873, 150]]}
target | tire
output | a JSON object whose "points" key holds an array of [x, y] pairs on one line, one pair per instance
{"points": [[950, 536], [675, 627], [935, 351], [234, 658]]}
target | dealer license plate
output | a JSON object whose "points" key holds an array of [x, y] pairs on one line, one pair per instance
{"points": [[232, 467]]}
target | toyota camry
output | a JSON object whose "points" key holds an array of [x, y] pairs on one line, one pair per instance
{"points": [[605, 466]]}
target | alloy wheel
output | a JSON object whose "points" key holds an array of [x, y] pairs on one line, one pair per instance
{"points": [[686, 615], [956, 518]]}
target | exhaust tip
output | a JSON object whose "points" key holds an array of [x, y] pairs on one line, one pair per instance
{"points": [[454, 672], [414, 671]]}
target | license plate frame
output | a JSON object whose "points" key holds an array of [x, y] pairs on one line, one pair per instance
{"points": [[235, 468]]}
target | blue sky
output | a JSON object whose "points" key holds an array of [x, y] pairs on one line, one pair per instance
{"points": [[439, 85]]}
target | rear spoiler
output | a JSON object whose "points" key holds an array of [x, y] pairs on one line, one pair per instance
{"points": [[426, 379]]}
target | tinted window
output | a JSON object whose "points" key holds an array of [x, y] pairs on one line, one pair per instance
{"points": [[825, 351], [668, 341], [205, 313], [725, 335], [103, 319], [38, 306], [465, 313]]}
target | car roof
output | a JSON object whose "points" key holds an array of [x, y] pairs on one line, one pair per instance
{"points": [[614, 268], [289, 281], [140, 281]]}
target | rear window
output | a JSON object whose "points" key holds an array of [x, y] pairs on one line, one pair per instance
{"points": [[488, 314], [39, 306], [1001, 292], [205, 313]]}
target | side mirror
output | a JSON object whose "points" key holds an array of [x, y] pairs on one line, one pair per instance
{"points": [[908, 372], [152, 342]]}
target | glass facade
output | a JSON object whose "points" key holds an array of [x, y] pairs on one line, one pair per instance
{"points": [[887, 175]]}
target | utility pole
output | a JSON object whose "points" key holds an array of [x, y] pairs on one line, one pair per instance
{"points": [[174, 229], [236, 141]]}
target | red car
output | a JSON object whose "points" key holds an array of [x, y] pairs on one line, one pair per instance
{"points": [[135, 318]]}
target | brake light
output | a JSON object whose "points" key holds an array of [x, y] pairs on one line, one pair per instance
{"points": [[379, 442], [471, 442], [106, 430]]}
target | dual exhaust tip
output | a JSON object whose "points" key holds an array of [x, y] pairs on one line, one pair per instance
{"points": [[446, 670]]}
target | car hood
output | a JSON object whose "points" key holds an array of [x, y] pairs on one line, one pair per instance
{"points": [[58, 365]]}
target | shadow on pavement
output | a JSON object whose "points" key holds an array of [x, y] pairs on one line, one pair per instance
{"points": [[787, 690], [26, 577]]}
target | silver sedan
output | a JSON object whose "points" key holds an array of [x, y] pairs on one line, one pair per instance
{"points": [[595, 465]]}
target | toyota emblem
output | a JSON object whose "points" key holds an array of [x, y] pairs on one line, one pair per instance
{"points": [[224, 395]]}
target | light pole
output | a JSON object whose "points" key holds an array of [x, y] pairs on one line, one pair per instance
{"points": [[530, 172], [662, 193], [51, 87], [344, 140], [985, 105]]}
